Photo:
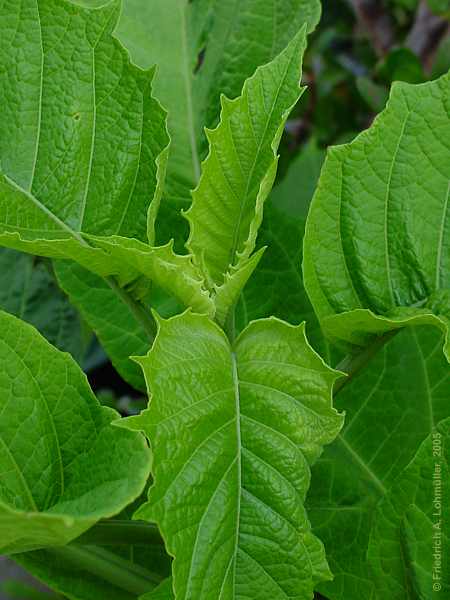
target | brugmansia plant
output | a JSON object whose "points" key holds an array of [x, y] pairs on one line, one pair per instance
{"points": [[207, 494]]}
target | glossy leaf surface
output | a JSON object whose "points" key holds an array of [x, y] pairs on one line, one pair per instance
{"points": [[80, 132], [377, 245], [63, 466], [234, 431]]}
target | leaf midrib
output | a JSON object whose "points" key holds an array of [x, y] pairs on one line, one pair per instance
{"points": [[41, 87], [45, 210], [239, 454]]}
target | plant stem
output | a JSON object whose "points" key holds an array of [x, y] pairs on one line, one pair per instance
{"points": [[115, 532], [353, 363], [138, 310], [230, 325], [108, 566]]}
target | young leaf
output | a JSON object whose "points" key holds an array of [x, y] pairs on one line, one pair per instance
{"points": [[378, 234], [276, 287], [234, 430], [391, 407], [173, 272], [80, 133], [29, 291], [62, 463], [240, 168], [215, 47]]}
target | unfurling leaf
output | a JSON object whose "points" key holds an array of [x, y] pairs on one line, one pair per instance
{"points": [[237, 175], [234, 432], [227, 206], [238, 37]]}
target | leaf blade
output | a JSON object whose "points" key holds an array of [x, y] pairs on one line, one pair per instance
{"points": [[225, 204], [198, 436], [380, 224], [57, 481], [101, 140]]}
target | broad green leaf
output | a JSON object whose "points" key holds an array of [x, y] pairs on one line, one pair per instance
{"points": [[234, 431], [120, 334], [416, 511], [62, 462], [80, 134], [29, 291], [378, 234], [235, 37], [391, 407], [239, 171], [26, 225]]}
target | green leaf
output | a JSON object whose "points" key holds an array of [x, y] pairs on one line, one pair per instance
{"points": [[82, 576], [261, 29], [162, 592], [172, 272], [230, 34], [234, 430], [61, 461], [276, 287], [239, 171], [145, 28], [391, 407], [376, 251], [29, 291], [17, 590], [81, 138], [440, 7], [225, 238], [76, 580], [117, 329], [415, 513]]}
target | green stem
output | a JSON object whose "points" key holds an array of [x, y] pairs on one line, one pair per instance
{"points": [[115, 532], [230, 325], [353, 363], [141, 314], [118, 571]]}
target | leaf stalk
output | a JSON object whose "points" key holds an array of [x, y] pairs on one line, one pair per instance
{"points": [[355, 362]]}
